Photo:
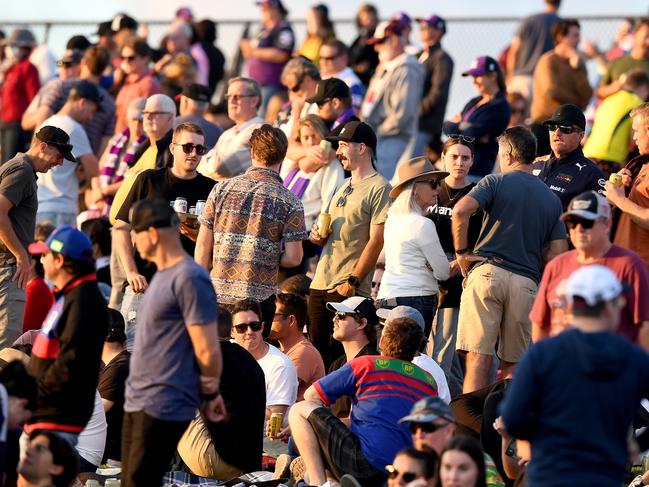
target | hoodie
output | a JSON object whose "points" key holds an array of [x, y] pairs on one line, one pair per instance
{"points": [[574, 397]]}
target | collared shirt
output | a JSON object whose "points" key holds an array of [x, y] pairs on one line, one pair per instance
{"points": [[231, 155], [250, 215], [570, 175]]}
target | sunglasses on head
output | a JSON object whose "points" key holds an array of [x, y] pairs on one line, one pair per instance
{"points": [[253, 325], [426, 427], [586, 224], [464, 138], [564, 129], [188, 148], [407, 477]]}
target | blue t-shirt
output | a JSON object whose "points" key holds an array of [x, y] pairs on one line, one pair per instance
{"points": [[164, 378], [383, 390]]}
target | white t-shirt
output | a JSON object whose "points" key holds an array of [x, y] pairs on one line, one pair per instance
{"points": [[411, 244], [58, 188], [92, 439], [322, 185], [429, 365], [281, 378]]}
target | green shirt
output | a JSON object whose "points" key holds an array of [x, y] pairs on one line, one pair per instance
{"points": [[623, 65]]}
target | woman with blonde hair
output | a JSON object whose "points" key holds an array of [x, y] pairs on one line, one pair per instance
{"points": [[414, 259]]}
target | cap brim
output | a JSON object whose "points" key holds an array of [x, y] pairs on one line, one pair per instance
{"points": [[315, 99], [399, 187], [383, 313], [587, 215], [38, 248], [473, 72], [66, 152], [340, 307]]}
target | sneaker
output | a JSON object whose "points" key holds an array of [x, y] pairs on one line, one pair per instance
{"points": [[297, 469], [282, 466], [349, 481]]}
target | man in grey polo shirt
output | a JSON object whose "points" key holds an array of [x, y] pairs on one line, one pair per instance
{"points": [[18, 205]]}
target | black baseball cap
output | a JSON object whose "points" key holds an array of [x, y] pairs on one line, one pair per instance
{"points": [[88, 91], [105, 29], [327, 89], [156, 213], [57, 138], [570, 115], [358, 132], [197, 92]]}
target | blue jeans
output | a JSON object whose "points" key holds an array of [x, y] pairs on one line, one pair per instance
{"points": [[56, 218], [130, 303], [426, 305], [389, 151]]}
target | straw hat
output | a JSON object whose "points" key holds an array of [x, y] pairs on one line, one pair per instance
{"points": [[414, 169]]}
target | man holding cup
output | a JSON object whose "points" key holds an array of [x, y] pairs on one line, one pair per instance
{"points": [[354, 239]]}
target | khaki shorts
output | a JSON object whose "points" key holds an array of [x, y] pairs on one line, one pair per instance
{"points": [[496, 304], [197, 451]]}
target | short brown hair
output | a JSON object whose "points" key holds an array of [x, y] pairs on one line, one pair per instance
{"points": [[139, 46], [401, 339], [246, 305], [96, 59], [187, 127], [269, 145], [293, 305], [561, 28]]}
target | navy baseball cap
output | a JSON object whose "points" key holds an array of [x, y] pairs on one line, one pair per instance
{"points": [[65, 240], [428, 410]]}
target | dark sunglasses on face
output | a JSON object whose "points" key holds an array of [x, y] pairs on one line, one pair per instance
{"points": [[65, 64], [128, 58], [426, 427], [434, 183], [323, 102], [564, 129], [329, 58], [297, 86], [406, 476], [253, 325], [188, 148], [464, 138], [341, 316], [586, 224]]}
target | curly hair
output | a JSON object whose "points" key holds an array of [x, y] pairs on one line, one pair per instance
{"points": [[401, 339], [269, 145]]}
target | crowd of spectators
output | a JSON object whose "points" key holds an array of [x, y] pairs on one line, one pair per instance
{"points": [[303, 271]]}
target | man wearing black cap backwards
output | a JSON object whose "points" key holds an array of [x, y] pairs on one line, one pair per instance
{"points": [[567, 171], [18, 206], [358, 211]]}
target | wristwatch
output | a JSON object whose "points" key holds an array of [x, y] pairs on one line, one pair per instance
{"points": [[465, 250], [354, 281]]}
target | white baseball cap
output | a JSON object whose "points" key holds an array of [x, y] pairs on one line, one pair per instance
{"points": [[594, 284], [355, 305]]}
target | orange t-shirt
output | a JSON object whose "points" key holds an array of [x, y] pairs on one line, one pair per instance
{"points": [[629, 234], [309, 365]]}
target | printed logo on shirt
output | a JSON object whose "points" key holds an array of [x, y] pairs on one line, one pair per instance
{"points": [[564, 177], [580, 166], [557, 188], [602, 183], [536, 172], [441, 210], [382, 363], [407, 369], [285, 39]]}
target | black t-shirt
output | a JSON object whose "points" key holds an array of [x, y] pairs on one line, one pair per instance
{"points": [[451, 290], [239, 439], [112, 381], [161, 183]]}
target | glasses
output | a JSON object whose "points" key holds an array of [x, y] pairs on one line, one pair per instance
{"points": [[434, 183], [253, 325], [128, 58], [297, 86], [323, 102], [342, 201], [155, 114], [341, 316], [188, 148], [426, 427], [65, 64], [585, 224], [283, 315], [237, 98], [464, 138], [407, 477], [564, 129], [329, 58]]}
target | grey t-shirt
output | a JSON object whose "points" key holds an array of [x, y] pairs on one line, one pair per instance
{"points": [[212, 131], [164, 378], [18, 185], [535, 33], [521, 216]]}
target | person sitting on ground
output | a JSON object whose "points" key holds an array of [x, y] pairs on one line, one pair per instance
{"points": [[461, 463], [374, 437], [412, 467], [231, 447], [49, 460], [288, 323]]}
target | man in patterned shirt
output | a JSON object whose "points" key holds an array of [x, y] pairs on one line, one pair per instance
{"points": [[250, 226]]}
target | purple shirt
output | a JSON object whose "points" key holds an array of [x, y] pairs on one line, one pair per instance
{"points": [[267, 73]]}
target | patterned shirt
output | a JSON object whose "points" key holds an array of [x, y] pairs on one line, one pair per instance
{"points": [[250, 216]]}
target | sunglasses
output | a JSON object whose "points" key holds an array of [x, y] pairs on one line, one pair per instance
{"points": [[253, 325], [464, 138], [323, 102], [341, 316], [128, 58], [237, 98], [434, 183], [407, 477], [297, 86], [329, 58], [585, 224], [65, 64], [426, 427], [188, 148], [155, 114], [564, 129], [342, 201]]}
